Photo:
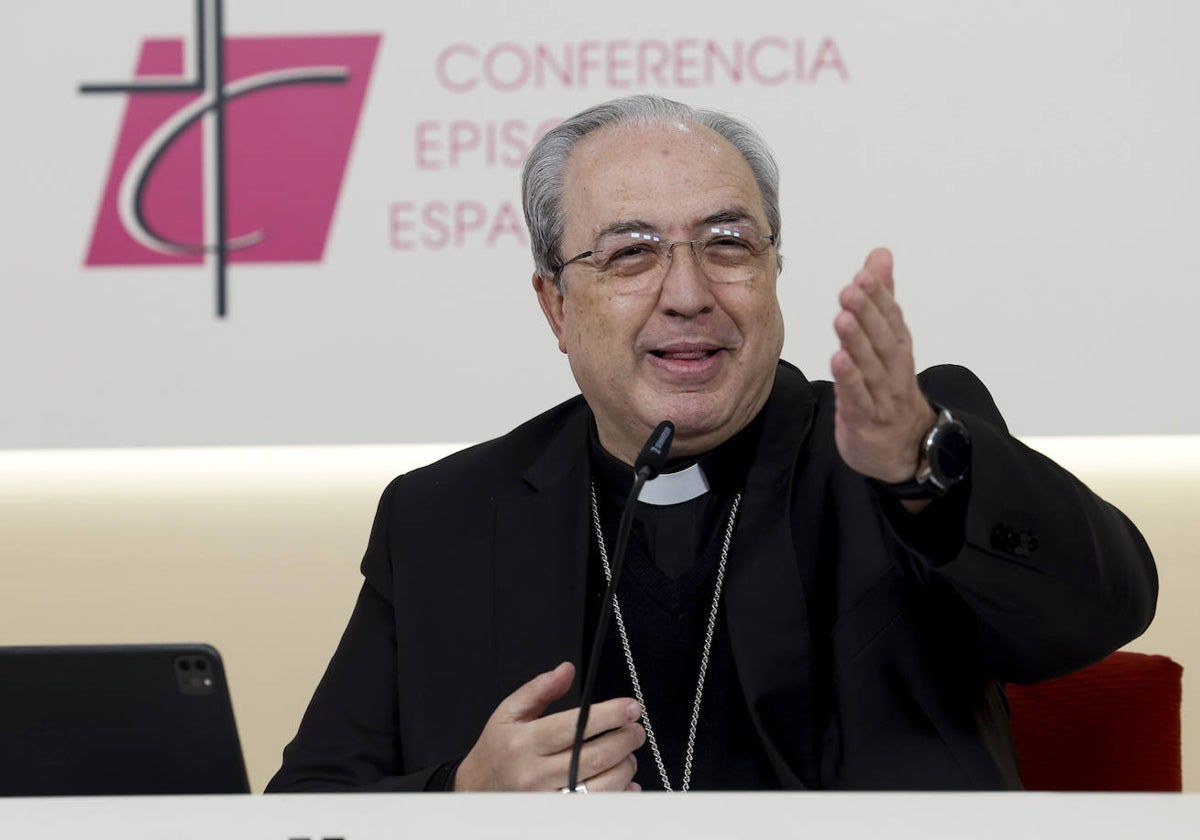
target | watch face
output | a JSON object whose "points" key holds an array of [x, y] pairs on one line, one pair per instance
{"points": [[950, 454]]}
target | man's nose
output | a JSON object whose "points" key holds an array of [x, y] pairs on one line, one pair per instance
{"points": [[686, 289]]}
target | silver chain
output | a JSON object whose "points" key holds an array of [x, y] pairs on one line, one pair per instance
{"points": [[708, 637]]}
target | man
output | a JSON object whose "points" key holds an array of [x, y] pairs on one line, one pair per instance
{"points": [[830, 588]]}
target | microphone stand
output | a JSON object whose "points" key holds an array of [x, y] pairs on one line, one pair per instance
{"points": [[649, 464]]}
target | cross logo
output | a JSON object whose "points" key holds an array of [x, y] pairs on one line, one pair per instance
{"points": [[237, 158]]}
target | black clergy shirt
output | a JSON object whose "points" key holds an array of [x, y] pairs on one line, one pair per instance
{"points": [[666, 594]]}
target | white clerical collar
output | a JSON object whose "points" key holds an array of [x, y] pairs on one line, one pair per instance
{"points": [[675, 487]]}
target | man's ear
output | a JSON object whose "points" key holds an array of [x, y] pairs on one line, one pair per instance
{"points": [[552, 301]]}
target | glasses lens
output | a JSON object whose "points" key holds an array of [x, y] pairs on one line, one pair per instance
{"points": [[731, 253], [629, 254]]}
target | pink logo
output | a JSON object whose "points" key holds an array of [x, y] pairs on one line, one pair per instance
{"points": [[238, 158]]}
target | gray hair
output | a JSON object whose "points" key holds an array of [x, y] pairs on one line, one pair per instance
{"points": [[542, 178]]}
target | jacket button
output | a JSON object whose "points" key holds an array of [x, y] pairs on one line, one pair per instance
{"points": [[1004, 538]]}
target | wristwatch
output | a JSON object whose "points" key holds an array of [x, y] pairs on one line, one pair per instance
{"points": [[943, 461]]}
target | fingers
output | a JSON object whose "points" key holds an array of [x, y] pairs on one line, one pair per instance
{"points": [[557, 732], [857, 367], [502, 758], [618, 777], [871, 324], [530, 700], [880, 263], [876, 347], [519, 750], [601, 754]]}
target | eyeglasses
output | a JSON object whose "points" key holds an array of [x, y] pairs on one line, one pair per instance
{"points": [[636, 261]]}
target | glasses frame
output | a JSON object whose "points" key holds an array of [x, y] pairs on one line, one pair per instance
{"points": [[668, 248]]}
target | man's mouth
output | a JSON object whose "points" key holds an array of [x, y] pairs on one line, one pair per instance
{"points": [[685, 354]]}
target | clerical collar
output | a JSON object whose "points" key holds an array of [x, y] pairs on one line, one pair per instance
{"points": [[672, 488], [722, 470]]}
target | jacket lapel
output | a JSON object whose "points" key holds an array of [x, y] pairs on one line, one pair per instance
{"points": [[541, 555], [765, 606]]}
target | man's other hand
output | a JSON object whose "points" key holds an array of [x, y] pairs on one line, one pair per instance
{"points": [[881, 413], [520, 750]]}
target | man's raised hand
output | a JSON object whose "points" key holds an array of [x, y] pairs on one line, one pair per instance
{"points": [[881, 413]]}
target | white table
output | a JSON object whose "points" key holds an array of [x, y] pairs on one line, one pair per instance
{"points": [[919, 816]]}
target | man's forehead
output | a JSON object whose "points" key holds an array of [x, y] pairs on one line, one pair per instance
{"points": [[658, 176], [621, 144]]}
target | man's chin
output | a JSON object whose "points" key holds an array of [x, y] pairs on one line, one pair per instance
{"points": [[697, 435], [703, 421]]}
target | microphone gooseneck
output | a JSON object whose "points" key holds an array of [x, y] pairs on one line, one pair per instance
{"points": [[649, 463]]}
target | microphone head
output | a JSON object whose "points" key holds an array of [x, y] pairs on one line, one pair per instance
{"points": [[654, 454]]}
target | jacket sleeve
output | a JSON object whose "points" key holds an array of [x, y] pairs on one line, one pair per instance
{"points": [[1051, 576], [349, 739]]}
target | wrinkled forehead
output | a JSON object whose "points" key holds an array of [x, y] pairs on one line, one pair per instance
{"points": [[668, 177]]}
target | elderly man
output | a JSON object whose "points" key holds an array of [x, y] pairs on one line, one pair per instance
{"points": [[829, 586]]}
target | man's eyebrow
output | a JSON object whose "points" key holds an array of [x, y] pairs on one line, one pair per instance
{"points": [[626, 226], [725, 215], [728, 215]]}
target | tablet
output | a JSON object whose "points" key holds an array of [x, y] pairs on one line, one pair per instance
{"points": [[83, 720]]}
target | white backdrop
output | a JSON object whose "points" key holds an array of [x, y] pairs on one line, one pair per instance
{"points": [[1032, 165]]}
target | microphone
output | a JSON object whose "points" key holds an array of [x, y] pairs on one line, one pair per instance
{"points": [[653, 456], [649, 464]]}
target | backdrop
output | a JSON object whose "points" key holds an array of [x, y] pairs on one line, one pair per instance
{"points": [[1033, 166]]}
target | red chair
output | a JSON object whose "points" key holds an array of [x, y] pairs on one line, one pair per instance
{"points": [[1112, 726]]}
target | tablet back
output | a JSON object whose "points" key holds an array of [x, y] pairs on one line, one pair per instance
{"points": [[117, 719]]}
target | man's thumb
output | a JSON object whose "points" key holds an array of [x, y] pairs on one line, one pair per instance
{"points": [[530, 700]]}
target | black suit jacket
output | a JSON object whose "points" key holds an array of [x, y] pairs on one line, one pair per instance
{"points": [[872, 645]]}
